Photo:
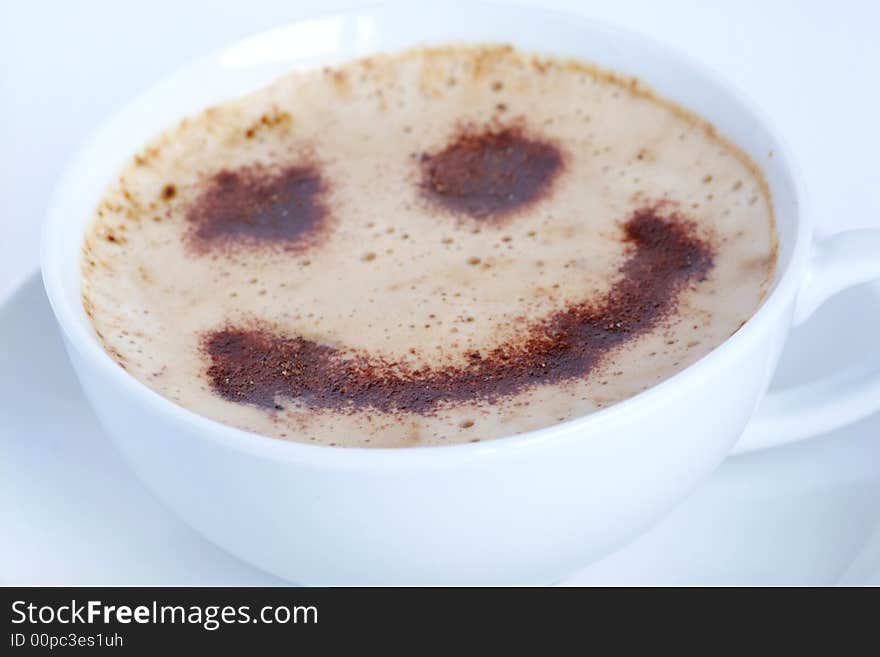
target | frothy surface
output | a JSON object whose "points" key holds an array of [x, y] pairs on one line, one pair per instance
{"points": [[445, 245]]}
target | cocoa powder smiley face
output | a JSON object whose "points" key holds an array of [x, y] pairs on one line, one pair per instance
{"points": [[440, 246]]}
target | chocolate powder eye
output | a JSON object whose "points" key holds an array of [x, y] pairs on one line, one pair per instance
{"points": [[490, 175], [258, 206], [259, 367]]}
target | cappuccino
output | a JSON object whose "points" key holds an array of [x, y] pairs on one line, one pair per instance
{"points": [[445, 245]]}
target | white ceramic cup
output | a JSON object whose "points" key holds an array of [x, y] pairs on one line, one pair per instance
{"points": [[525, 509]]}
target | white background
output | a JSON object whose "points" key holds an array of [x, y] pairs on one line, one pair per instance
{"points": [[66, 66]]}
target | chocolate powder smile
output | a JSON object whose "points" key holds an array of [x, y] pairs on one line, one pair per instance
{"points": [[260, 367]]}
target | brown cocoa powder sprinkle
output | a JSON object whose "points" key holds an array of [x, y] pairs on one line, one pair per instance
{"points": [[258, 366], [489, 175], [259, 206]]}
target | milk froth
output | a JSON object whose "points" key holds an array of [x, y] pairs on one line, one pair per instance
{"points": [[444, 245]]}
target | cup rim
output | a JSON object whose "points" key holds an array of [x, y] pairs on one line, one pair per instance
{"points": [[205, 428]]}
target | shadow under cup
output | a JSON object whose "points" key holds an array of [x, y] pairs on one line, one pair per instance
{"points": [[525, 509]]}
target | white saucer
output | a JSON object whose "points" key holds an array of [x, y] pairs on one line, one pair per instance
{"points": [[72, 513]]}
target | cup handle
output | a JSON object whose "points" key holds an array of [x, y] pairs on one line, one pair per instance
{"points": [[837, 263]]}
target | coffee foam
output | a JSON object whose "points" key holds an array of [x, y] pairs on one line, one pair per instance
{"points": [[384, 254]]}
